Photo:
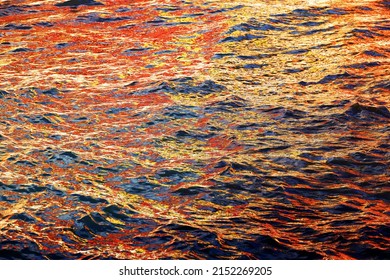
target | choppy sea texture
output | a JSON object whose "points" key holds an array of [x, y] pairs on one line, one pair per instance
{"points": [[194, 129]]}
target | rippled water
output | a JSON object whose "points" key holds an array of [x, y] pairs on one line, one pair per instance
{"points": [[194, 129]]}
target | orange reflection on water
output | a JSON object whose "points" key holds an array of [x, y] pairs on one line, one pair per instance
{"points": [[170, 129]]}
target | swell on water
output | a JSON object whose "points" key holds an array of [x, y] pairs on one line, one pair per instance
{"points": [[194, 129]]}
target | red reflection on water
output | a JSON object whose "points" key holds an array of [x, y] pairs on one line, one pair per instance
{"points": [[85, 84]]}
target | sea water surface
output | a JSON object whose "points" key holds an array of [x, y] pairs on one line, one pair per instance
{"points": [[167, 129]]}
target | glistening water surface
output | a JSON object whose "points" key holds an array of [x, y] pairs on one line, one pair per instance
{"points": [[172, 129]]}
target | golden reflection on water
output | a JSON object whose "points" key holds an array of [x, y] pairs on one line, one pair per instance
{"points": [[169, 129]]}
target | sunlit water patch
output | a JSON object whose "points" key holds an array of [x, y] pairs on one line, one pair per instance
{"points": [[194, 129]]}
